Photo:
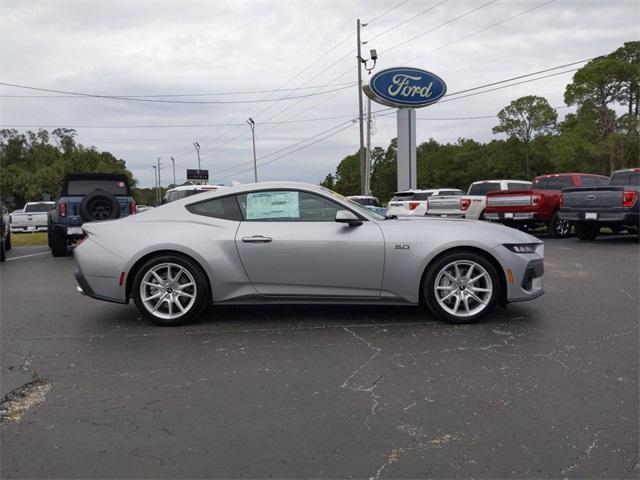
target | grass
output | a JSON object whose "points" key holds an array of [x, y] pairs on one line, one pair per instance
{"points": [[28, 239]]}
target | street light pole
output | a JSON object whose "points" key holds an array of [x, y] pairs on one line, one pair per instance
{"points": [[360, 114], [155, 177], [252, 125], [197, 145], [173, 163]]}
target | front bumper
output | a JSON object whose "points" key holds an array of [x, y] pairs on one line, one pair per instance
{"points": [[523, 272], [99, 272], [85, 289]]}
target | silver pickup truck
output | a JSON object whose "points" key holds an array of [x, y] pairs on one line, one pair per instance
{"points": [[32, 218]]}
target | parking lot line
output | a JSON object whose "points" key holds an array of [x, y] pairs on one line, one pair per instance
{"points": [[27, 256]]}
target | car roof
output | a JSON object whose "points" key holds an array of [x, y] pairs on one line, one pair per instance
{"points": [[553, 175], [194, 187], [503, 180]]}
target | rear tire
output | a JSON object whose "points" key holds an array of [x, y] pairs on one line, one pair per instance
{"points": [[558, 228], [58, 245], [586, 231], [170, 290], [3, 256], [461, 287], [7, 242]]}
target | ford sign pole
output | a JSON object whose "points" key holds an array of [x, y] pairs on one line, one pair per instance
{"points": [[406, 89]]}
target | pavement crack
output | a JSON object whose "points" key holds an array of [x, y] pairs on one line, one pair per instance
{"points": [[586, 454]]}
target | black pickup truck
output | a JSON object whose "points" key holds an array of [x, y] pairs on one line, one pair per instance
{"points": [[615, 205]]}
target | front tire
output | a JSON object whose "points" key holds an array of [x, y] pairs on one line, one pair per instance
{"points": [[170, 290], [461, 287], [559, 228], [586, 231]]}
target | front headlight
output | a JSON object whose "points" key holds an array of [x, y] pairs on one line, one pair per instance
{"points": [[522, 247]]}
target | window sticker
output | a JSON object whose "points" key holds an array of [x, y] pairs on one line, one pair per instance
{"points": [[272, 205]]}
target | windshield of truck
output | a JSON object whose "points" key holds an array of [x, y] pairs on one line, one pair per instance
{"points": [[484, 188], [83, 187], [38, 207], [625, 178]]}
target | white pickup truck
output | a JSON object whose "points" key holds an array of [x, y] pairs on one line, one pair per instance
{"points": [[474, 203], [32, 218]]}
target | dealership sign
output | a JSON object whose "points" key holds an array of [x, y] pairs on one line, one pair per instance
{"points": [[405, 87]]}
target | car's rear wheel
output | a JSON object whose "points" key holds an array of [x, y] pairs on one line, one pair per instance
{"points": [[170, 290], [559, 228], [585, 231], [58, 244], [461, 287]]}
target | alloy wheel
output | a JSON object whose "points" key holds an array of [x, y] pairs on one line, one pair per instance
{"points": [[463, 288], [168, 291]]}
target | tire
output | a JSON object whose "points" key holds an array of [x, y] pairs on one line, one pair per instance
{"points": [[194, 297], [586, 231], [3, 255], [558, 228], [98, 206], [7, 242], [58, 245], [617, 229], [438, 285]]}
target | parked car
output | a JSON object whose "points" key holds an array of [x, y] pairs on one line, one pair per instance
{"points": [[32, 218], [86, 197], [365, 200], [540, 205], [473, 204], [287, 242], [5, 232], [414, 202], [615, 205], [183, 191]]}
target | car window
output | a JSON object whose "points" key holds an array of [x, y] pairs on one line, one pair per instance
{"points": [[483, 188], [38, 207], [602, 181], [558, 183], [83, 187], [421, 195], [225, 208], [452, 192], [519, 186], [587, 181], [402, 197], [539, 183], [287, 206]]}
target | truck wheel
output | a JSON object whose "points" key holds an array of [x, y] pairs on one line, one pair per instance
{"points": [[170, 290], [58, 245], [7, 242], [587, 232], [2, 251], [461, 287], [558, 228]]}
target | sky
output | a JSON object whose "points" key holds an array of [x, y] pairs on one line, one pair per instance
{"points": [[197, 70]]}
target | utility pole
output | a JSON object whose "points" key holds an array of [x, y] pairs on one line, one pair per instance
{"points": [[360, 115], [155, 177], [197, 145], [173, 163], [159, 183], [252, 125], [367, 164]]}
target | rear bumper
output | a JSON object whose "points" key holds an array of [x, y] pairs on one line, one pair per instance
{"points": [[625, 218], [514, 218], [27, 228]]}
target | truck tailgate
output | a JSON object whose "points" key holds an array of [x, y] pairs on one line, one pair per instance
{"points": [[588, 198]]}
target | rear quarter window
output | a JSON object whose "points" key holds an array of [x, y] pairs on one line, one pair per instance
{"points": [[225, 208]]}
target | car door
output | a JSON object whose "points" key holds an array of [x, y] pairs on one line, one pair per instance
{"points": [[290, 245]]}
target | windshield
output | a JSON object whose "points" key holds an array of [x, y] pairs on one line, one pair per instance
{"points": [[38, 207], [355, 206], [366, 201]]}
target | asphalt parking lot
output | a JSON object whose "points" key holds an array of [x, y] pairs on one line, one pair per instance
{"points": [[543, 389]]}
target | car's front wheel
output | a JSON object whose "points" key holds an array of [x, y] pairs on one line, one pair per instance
{"points": [[170, 290], [461, 287]]}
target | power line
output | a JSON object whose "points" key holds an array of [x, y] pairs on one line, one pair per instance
{"points": [[407, 20], [479, 31], [150, 100], [244, 92], [386, 12], [469, 12]]}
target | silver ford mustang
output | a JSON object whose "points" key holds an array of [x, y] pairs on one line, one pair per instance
{"points": [[286, 242]]}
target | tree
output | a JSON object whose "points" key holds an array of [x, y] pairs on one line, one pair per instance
{"points": [[524, 119], [328, 182]]}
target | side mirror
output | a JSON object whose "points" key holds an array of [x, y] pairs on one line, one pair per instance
{"points": [[346, 216]]}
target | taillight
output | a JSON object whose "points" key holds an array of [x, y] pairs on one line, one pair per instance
{"points": [[465, 203], [84, 236], [413, 205], [536, 199], [62, 209], [629, 198], [133, 208]]}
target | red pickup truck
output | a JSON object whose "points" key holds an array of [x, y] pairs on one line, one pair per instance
{"points": [[540, 205]]}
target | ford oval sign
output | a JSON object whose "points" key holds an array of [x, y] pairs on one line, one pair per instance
{"points": [[405, 87]]}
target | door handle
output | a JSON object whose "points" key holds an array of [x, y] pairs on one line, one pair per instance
{"points": [[257, 239]]}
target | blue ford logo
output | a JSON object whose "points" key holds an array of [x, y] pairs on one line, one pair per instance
{"points": [[405, 87]]}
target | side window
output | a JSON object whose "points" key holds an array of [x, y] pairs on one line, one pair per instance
{"points": [[287, 206], [634, 179], [540, 184], [602, 181], [225, 208], [587, 181]]}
